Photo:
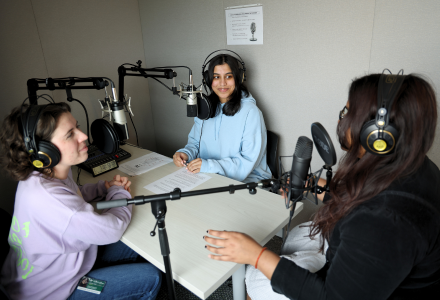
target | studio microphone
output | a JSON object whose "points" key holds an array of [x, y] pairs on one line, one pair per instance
{"points": [[118, 113], [191, 102], [191, 98], [293, 181], [105, 136], [300, 167]]}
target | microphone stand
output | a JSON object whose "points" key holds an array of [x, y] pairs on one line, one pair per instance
{"points": [[67, 83], [123, 71], [326, 187], [159, 210]]}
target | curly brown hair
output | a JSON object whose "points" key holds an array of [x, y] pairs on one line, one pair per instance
{"points": [[14, 157]]}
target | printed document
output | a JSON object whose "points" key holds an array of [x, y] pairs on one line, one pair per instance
{"points": [[144, 164], [244, 25], [183, 179]]}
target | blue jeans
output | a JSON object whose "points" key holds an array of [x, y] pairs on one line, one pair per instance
{"points": [[125, 279]]}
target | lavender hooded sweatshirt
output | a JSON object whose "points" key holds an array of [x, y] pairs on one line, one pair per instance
{"points": [[55, 234]]}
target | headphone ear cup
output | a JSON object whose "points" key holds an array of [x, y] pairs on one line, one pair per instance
{"points": [[243, 73], [48, 155], [206, 78], [370, 138], [365, 131]]}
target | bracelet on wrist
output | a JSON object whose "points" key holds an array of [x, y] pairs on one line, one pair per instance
{"points": [[258, 258]]}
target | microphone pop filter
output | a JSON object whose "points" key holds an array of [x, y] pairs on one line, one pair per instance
{"points": [[324, 144], [104, 136], [203, 107]]}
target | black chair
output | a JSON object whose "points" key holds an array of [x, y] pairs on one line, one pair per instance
{"points": [[272, 146], [5, 225]]}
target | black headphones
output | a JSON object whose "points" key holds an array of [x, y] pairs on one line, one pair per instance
{"points": [[379, 136], [205, 74], [204, 106], [43, 154]]}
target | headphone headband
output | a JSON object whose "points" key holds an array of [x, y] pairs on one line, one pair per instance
{"points": [[32, 115], [205, 63], [205, 74], [379, 136], [42, 154], [387, 90]]}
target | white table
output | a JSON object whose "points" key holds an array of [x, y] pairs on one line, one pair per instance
{"points": [[261, 216]]}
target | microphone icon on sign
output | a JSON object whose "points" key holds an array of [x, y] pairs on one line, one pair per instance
{"points": [[253, 28]]}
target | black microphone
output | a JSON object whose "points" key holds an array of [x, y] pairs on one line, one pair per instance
{"points": [[300, 167]]}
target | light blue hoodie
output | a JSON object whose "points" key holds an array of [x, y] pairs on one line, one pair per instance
{"points": [[232, 146]]}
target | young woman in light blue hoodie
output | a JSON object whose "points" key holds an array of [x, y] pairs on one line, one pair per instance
{"points": [[232, 142]]}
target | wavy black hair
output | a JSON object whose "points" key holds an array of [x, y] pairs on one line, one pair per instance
{"points": [[413, 112], [233, 105]]}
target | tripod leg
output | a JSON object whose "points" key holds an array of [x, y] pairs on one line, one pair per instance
{"points": [[159, 210]]}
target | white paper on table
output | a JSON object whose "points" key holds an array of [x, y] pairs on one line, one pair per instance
{"points": [[183, 179], [144, 164]]}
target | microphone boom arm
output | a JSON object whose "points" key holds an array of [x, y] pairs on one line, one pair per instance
{"points": [[141, 72], [68, 83], [177, 194]]}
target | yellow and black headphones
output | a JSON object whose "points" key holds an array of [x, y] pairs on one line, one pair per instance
{"points": [[379, 136], [206, 78], [42, 154]]}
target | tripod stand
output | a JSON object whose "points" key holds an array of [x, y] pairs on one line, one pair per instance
{"points": [[159, 209]]}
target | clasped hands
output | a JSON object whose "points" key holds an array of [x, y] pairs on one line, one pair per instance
{"points": [[180, 158], [119, 181]]}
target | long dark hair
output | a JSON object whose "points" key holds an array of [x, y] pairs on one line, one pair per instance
{"points": [[14, 157], [414, 114], [234, 104]]}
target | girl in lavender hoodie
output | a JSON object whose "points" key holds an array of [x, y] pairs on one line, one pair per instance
{"points": [[56, 238]]}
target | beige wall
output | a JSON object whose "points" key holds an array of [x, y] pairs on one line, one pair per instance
{"points": [[312, 50], [53, 38]]}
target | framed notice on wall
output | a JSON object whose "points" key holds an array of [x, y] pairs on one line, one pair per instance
{"points": [[244, 25]]}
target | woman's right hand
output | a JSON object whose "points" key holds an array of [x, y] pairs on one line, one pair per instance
{"points": [[180, 158]]}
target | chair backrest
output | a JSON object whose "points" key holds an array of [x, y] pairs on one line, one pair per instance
{"points": [[5, 225], [272, 146]]}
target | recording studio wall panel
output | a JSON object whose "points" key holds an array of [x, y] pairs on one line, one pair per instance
{"points": [[21, 58], [312, 50], [53, 38]]}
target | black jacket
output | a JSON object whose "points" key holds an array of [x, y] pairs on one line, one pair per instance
{"points": [[386, 248]]}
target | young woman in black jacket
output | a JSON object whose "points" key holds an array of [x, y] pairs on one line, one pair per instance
{"points": [[381, 218]]}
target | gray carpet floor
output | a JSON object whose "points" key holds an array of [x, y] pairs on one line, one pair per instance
{"points": [[224, 292]]}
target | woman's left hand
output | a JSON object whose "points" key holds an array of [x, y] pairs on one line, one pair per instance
{"points": [[233, 246], [195, 165]]}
